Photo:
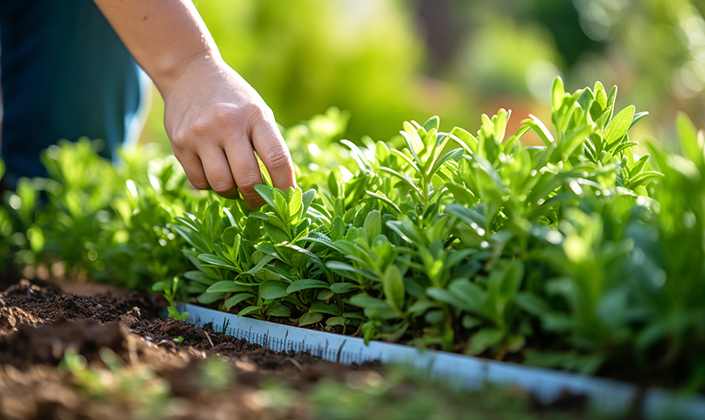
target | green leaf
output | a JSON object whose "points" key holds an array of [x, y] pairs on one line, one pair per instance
{"points": [[407, 231], [644, 178], [532, 304], [267, 193], [340, 266], [557, 93], [325, 308], [337, 229], [380, 196], [275, 234], [272, 289], [483, 340], [341, 288], [413, 141], [333, 186], [310, 318], [174, 313], [248, 310], [306, 200], [430, 142], [373, 224], [432, 123], [236, 299], [381, 152], [216, 261], [325, 295], [470, 296], [452, 155], [230, 235], [512, 278], [619, 125], [335, 320], [637, 117], [639, 165], [357, 155], [193, 238], [466, 140], [365, 301], [539, 128], [227, 286], [279, 309], [263, 262], [208, 298], [158, 286], [405, 179], [295, 206], [305, 284], [600, 95], [393, 286], [281, 206], [573, 140], [624, 146], [586, 98]]}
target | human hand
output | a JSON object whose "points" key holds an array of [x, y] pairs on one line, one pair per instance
{"points": [[216, 122]]}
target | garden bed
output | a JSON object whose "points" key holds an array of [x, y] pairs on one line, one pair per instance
{"points": [[109, 356], [38, 323], [576, 255]]}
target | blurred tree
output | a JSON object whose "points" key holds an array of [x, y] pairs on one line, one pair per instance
{"points": [[303, 56], [390, 60]]}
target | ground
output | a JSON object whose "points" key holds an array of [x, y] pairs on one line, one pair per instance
{"points": [[102, 353]]}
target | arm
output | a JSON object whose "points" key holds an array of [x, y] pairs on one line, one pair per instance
{"points": [[214, 118]]}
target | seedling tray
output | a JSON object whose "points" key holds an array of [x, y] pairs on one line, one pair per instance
{"points": [[546, 385]]}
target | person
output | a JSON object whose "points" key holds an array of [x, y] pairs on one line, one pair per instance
{"points": [[70, 69]]}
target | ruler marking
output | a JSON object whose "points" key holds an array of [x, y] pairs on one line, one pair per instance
{"points": [[340, 350], [468, 372]]}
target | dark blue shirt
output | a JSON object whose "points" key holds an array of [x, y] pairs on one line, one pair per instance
{"points": [[65, 74]]}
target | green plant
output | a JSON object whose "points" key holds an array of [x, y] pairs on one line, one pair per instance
{"points": [[577, 253], [169, 291], [135, 387], [426, 236]]}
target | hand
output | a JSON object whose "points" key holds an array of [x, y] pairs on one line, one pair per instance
{"points": [[216, 122]]}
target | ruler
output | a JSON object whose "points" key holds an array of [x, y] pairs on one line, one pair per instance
{"points": [[605, 395]]}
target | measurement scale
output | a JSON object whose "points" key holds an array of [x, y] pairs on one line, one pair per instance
{"points": [[546, 385]]}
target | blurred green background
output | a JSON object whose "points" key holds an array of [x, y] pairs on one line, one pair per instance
{"points": [[386, 61]]}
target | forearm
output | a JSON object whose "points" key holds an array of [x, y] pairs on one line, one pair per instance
{"points": [[215, 120], [166, 37]]}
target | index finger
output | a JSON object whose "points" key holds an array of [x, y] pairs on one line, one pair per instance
{"points": [[271, 148]]}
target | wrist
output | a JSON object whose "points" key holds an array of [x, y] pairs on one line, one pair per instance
{"points": [[198, 66]]}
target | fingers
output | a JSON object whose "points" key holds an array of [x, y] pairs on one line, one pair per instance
{"points": [[244, 166], [217, 172], [217, 151], [194, 170], [270, 147]]}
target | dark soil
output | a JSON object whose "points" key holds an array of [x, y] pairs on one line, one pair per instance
{"points": [[39, 322], [126, 364]]}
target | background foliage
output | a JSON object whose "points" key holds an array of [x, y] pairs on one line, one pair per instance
{"points": [[387, 60]]}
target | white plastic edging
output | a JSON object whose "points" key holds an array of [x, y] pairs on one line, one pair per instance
{"points": [[546, 385]]}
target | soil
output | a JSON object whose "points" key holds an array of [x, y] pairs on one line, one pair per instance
{"points": [[92, 354], [39, 323]]}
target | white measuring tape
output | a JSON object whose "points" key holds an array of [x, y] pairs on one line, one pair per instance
{"points": [[546, 385]]}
